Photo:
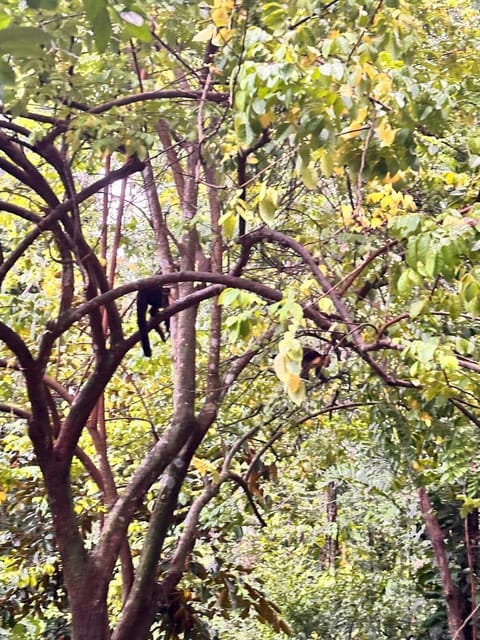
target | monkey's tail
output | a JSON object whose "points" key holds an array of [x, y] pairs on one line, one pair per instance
{"points": [[142, 324]]}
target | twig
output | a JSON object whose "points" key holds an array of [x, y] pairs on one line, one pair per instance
{"points": [[364, 31], [241, 482], [358, 194], [464, 624]]}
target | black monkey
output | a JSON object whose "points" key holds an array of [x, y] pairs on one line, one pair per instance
{"points": [[156, 298], [314, 360]]}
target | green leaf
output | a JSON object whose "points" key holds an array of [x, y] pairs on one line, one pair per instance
{"points": [[463, 346], [448, 362], [93, 8], [404, 226], [404, 283], [309, 176], [4, 20], [229, 222], [474, 145], [417, 308], [228, 296], [244, 328], [136, 25], [473, 306], [102, 30], [268, 204], [454, 306], [426, 350], [431, 268], [337, 70], [42, 4], [7, 74], [470, 291], [24, 42]]}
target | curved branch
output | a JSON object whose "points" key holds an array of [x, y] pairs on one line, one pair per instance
{"points": [[267, 293], [16, 345], [350, 279], [21, 212], [241, 482], [329, 290], [161, 94], [279, 431], [28, 173], [466, 412], [48, 221], [18, 412]]}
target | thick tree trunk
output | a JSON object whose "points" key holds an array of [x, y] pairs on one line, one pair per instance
{"points": [[436, 535], [85, 582], [89, 616]]}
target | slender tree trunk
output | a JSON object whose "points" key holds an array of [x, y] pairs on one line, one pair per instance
{"points": [[471, 535], [436, 535], [331, 542]]}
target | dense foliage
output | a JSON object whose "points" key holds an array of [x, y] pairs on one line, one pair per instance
{"points": [[303, 179]]}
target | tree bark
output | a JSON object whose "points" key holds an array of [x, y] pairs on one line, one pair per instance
{"points": [[436, 536], [331, 542]]}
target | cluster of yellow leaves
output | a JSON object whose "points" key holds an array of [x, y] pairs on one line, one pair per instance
{"points": [[219, 31], [386, 203], [385, 132], [357, 125], [287, 365], [205, 468]]}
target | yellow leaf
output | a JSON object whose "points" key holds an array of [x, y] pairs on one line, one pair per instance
{"points": [[293, 114], [265, 120], [375, 197], [409, 202], [200, 465], [50, 287], [388, 179], [280, 367], [356, 76], [306, 286], [386, 133], [294, 382], [383, 85], [427, 418], [346, 214], [205, 35], [325, 305], [220, 17], [228, 221], [450, 177], [222, 36], [355, 127], [297, 396], [389, 202]]}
